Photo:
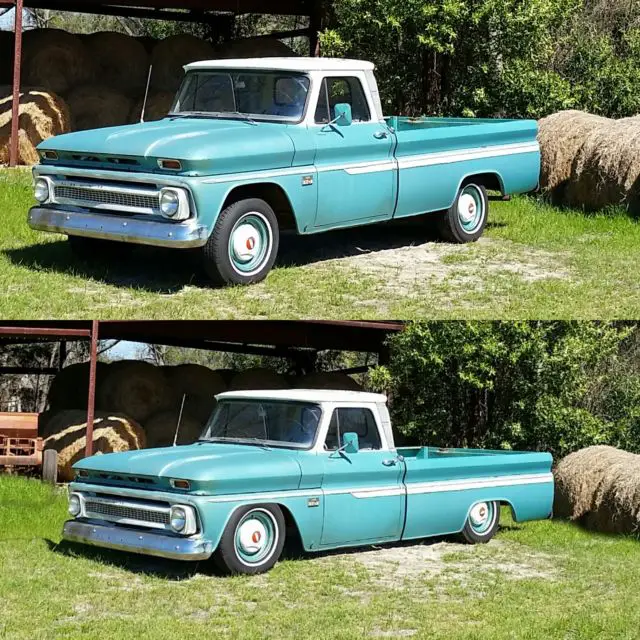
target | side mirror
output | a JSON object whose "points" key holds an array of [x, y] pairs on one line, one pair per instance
{"points": [[342, 114], [350, 442]]}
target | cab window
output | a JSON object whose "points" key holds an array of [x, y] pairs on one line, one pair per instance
{"points": [[354, 420], [337, 90]]}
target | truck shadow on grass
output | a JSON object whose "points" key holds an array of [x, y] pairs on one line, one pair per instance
{"points": [[146, 268]]}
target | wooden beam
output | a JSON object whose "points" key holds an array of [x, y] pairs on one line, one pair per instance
{"points": [[15, 100], [91, 404]]}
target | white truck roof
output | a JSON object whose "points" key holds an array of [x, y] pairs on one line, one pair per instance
{"points": [[305, 395], [284, 64]]}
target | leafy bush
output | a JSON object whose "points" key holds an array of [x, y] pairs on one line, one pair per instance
{"points": [[495, 57], [553, 386]]}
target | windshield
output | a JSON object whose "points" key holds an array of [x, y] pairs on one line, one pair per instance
{"points": [[290, 424], [260, 95]]}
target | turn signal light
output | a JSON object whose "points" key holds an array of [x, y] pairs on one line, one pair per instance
{"points": [[181, 484], [174, 165]]}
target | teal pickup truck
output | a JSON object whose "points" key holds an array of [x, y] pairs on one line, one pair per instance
{"points": [[254, 147], [318, 467]]}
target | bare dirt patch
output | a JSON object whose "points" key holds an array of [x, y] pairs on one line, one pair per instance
{"points": [[450, 563]]}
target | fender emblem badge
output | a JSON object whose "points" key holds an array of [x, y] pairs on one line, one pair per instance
{"points": [[307, 180], [313, 502]]}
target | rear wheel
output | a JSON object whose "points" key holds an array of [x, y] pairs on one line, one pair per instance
{"points": [[252, 541], [482, 522], [465, 220], [244, 243]]}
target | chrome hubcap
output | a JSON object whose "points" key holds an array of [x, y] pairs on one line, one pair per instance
{"points": [[479, 514], [250, 243], [471, 208], [252, 536], [466, 208]]}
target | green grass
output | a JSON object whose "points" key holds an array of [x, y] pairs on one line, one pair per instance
{"points": [[534, 580], [535, 261]]}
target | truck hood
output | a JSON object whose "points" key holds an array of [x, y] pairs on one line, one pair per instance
{"points": [[210, 468], [204, 146]]}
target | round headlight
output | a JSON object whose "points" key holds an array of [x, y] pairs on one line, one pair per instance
{"points": [[169, 203], [178, 518], [74, 505], [41, 190]]}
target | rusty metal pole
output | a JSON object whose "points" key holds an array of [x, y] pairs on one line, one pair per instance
{"points": [[15, 104], [93, 359]]}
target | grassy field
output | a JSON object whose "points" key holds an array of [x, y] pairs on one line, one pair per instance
{"points": [[535, 261], [534, 580]]}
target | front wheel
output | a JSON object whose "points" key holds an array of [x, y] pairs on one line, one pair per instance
{"points": [[252, 541], [465, 220], [482, 522], [244, 243]]}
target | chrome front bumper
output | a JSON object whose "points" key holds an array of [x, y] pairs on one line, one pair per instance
{"points": [[181, 235], [153, 544]]}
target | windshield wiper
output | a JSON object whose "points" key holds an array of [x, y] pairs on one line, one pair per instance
{"points": [[244, 116], [213, 114], [248, 440]]}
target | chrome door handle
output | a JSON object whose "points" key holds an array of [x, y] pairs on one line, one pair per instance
{"points": [[380, 135], [390, 463]]}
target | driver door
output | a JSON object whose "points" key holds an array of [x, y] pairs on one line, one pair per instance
{"points": [[363, 491], [356, 174]]}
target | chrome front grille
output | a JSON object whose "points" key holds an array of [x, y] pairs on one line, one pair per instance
{"points": [[145, 514], [121, 200], [106, 195]]}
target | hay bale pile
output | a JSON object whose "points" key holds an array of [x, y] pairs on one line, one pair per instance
{"points": [[256, 48], [171, 54], [94, 106], [132, 392], [41, 114], [55, 60], [590, 162], [121, 62], [328, 380], [600, 487], [158, 105], [111, 433]]}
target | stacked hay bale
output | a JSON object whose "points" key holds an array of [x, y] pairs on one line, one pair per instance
{"points": [[121, 62], [256, 48], [328, 380], [41, 114], [590, 162], [111, 433], [258, 378], [600, 487], [171, 54], [95, 105], [157, 106], [55, 60]]}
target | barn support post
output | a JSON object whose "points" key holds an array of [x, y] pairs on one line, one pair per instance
{"points": [[93, 360], [315, 26], [15, 103]]}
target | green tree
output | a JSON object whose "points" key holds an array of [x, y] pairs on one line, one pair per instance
{"points": [[550, 386]]}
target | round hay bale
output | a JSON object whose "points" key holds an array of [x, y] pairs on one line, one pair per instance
{"points": [[258, 378], [256, 48], [55, 60], [161, 428], [121, 62], [328, 380], [111, 433], [94, 106], [134, 388], [560, 136], [41, 114], [70, 387], [200, 385], [158, 105], [171, 54], [606, 171], [148, 42], [600, 486]]}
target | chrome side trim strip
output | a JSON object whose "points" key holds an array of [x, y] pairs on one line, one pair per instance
{"points": [[460, 155], [260, 175], [479, 483]]}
